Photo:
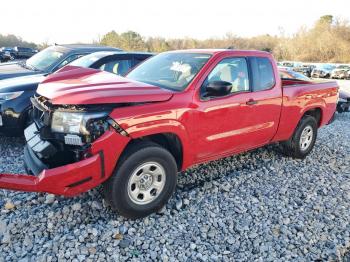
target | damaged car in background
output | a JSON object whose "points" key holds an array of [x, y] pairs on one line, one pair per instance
{"points": [[341, 72], [175, 110]]}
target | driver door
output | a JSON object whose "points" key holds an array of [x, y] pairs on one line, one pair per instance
{"points": [[224, 124]]}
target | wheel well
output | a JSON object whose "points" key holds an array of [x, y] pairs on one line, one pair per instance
{"points": [[316, 113], [169, 141]]}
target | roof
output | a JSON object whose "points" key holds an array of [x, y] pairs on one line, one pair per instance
{"points": [[89, 47], [101, 54], [125, 53], [217, 51]]}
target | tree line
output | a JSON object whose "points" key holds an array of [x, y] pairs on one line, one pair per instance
{"points": [[12, 40], [327, 41]]}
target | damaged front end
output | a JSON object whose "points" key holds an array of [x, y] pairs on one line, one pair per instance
{"points": [[69, 150]]}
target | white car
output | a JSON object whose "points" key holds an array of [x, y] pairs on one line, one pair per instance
{"points": [[341, 72]]}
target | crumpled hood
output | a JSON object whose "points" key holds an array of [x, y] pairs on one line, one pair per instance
{"points": [[83, 86], [9, 70]]}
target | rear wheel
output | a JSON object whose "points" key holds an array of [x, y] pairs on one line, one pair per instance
{"points": [[143, 182], [303, 139]]}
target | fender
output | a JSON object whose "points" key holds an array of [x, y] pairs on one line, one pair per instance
{"points": [[298, 107], [165, 126]]}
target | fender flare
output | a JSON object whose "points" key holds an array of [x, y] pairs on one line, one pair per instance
{"points": [[165, 126]]}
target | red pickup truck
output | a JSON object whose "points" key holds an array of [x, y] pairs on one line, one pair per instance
{"points": [[175, 110]]}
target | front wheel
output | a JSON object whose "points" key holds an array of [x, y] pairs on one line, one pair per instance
{"points": [[143, 182], [303, 139]]}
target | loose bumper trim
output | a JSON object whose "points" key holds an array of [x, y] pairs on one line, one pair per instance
{"points": [[68, 180], [33, 164], [71, 179]]}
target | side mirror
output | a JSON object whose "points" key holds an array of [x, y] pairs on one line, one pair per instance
{"points": [[218, 88]]}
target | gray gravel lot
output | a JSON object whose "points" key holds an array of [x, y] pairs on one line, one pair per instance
{"points": [[254, 206]]}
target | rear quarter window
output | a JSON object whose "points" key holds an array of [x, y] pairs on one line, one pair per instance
{"points": [[263, 73]]}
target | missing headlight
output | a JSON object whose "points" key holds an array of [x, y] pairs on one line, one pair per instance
{"points": [[96, 128]]}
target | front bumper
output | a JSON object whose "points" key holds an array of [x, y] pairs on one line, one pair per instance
{"points": [[338, 76], [13, 114], [68, 180], [74, 178], [318, 75]]}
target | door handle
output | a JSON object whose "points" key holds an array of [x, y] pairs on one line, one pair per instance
{"points": [[251, 102]]}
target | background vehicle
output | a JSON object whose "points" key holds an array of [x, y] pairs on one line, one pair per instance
{"points": [[8, 53], [304, 69], [49, 60], [291, 74], [175, 110], [288, 64], [344, 102], [2, 57], [341, 72], [15, 93], [322, 71], [23, 52]]}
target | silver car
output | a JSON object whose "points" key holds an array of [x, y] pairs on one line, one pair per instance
{"points": [[323, 71], [340, 72]]}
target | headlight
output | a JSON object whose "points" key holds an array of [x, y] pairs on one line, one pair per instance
{"points": [[78, 123], [10, 95]]}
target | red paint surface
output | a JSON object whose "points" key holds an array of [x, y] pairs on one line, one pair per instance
{"points": [[208, 130]]}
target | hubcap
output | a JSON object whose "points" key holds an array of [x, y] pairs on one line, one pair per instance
{"points": [[146, 183], [306, 138]]}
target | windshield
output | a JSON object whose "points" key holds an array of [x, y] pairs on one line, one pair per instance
{"points": [[44, 59], [170, 70]]}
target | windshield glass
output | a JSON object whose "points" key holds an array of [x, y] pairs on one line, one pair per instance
{"points": [[170, 70], [44, 59]]}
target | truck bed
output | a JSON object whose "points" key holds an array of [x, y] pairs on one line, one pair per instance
{"points": [[300, 96]]}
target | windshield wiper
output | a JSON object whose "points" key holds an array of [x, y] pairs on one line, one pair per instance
{"points": [[27, 66]]}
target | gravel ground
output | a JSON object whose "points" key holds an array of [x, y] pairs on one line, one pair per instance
{"points": [[254, 206]]}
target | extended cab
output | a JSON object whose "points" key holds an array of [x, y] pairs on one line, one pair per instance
{"points": [[173, 111]]}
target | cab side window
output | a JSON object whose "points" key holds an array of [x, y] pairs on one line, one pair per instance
{"points": [[233, 70], [263, 74], [68, 60], [118, 67]]}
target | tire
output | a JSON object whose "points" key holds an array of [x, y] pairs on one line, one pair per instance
{"points": [[293, 147], [340, 109], [120, 189]]}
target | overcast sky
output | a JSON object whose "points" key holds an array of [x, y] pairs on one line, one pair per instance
{"points": [[68, 21]]}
